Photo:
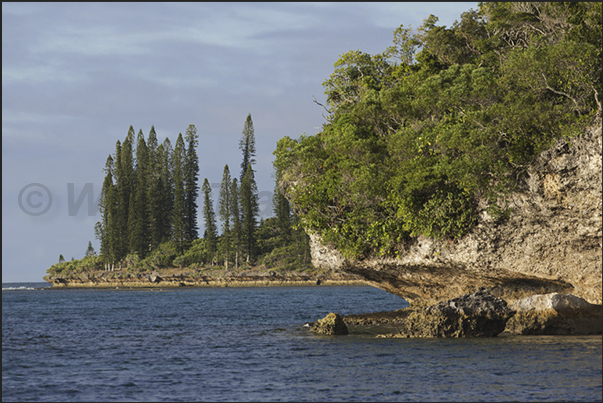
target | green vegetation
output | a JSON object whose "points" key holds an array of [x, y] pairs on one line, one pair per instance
{"points": [[149, 214], [446, 118]]}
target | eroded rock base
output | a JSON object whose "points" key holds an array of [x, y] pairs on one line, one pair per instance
{"points": [[479, 314], [555, 314]]}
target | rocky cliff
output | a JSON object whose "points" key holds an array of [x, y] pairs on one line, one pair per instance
{"points": [[551, 241]]}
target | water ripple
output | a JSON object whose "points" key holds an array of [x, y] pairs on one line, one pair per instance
{"points": [[247, 344]]}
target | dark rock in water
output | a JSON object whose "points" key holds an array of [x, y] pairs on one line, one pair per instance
{"points": [[332, 324], [479, 314], [555, 314]]}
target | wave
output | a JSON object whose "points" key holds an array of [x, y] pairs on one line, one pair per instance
{"points": [[24, 286], [17, 288]]}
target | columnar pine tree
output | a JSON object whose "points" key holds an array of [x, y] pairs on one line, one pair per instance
{"points": [[119, 229], [166, 189], [179, 209], [154, 190], [125, 185], [128, 179], [131, 225], [140, 235], [90, 250], [248, 191], [250, 209], [105, 229], [209, 217], [225, 213], [152, 143], [247, 146], [236, 220], [191, 186]]}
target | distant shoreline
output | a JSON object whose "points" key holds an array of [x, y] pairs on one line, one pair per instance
{"points": [[173, 282]]}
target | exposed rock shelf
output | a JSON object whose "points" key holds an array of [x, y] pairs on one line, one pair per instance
{"points": [[555, 314], [479, 314], [158, 280]]}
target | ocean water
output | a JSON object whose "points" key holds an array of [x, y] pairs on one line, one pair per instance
{"points": [[248, 344]]}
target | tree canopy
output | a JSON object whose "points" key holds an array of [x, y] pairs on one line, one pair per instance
{"points": [[446, 118]]}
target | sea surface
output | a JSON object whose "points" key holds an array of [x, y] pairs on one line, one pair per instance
{"points": [[249, 344]]}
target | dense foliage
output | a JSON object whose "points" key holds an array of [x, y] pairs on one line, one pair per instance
{"points": [[446, 118], [148, 196], [149, 214]]}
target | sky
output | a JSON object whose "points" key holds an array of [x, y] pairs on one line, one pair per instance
{"points": [[76, 76]]}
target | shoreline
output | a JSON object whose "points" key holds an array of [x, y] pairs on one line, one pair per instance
{"points": [[62, 284]]}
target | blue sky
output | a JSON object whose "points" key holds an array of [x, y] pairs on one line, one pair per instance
{"points": [[75, 76]]}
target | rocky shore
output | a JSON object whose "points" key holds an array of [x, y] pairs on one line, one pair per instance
{"points": [[537, 272], [550, 242], [477, 314], [222, 278]]}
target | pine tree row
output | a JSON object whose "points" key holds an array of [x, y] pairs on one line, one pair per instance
{"points": [[149, 213], [149, 195], [238, 208]]}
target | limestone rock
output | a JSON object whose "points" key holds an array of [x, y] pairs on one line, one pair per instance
{"points": [[332, 324], [551, 242], [154, 277], [323, 255], [555, 314], [479, 314]]}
